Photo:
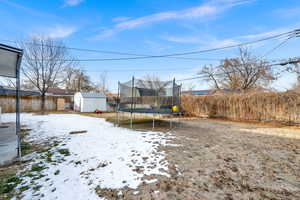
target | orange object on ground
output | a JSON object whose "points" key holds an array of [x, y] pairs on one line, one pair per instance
{"points": [[98, 111]]}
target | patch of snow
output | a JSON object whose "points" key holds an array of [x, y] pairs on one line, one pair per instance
{"points": [[108, 156], [120, 193], [151, 181]]}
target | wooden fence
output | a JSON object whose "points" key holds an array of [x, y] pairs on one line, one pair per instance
{"points": [[267, 107], [28, 103]]}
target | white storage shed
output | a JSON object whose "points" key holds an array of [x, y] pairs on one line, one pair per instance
{"points": [[89, 102]]}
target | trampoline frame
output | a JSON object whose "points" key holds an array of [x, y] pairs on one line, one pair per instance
{"points": [[154, 111]]}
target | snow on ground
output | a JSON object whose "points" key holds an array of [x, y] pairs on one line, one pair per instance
{"points": [[105, 156]]}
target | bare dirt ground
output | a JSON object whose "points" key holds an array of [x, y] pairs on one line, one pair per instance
{"points": [[212, 159], [224, 160]]}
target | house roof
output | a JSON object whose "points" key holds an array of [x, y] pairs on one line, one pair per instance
{"points": [[60, 92], [199, 92], [5, 91], [92, 95], [206, 92]]}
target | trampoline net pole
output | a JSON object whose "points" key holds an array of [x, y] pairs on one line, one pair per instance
{"points": [[118, 105]]}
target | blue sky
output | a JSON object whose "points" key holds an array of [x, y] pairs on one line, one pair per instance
{"points": [[155, 27]]}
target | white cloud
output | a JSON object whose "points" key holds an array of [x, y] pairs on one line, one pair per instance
{"points": [[28, 10], [120, 19], [183, 39], [73, 2], [204, 11], [288, 12], [157, 46], [59, 32], [204, 41], [264, 34], [223, 43], [214, 42]]}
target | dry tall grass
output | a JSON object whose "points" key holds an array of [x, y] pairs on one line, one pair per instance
{"points": [[265, 106]]}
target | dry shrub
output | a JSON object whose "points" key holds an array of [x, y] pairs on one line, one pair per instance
{"points": [[264, 106]]}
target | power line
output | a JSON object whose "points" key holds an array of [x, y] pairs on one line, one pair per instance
{"points": [[142, 70], [276, 47], [179, 69], [164, 69], [107, 52], [294, 33], [108, 59], [294, 61]]}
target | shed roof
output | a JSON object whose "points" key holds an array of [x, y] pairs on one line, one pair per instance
{"points": [[93, 95]]}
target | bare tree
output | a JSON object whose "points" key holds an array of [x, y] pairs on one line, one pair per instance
{"points": [[84, 82], [102, 85], [44, 62], [188, 86], [77, 79], [8, 82], [152, 82], [293, 66], [243, 73]]}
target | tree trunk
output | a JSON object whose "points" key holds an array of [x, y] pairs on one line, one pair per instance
{"points": [[43, 102]]}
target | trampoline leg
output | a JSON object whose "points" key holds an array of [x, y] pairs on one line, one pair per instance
{"points": [[153, 123], [118, 119], [131, 121]]}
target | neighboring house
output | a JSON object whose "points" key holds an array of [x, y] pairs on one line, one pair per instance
{"points": [[30, 100], [65, 98], [7, 91], [198, 92], [205, 92], [89, 102], [60, 92], [112, 101]]}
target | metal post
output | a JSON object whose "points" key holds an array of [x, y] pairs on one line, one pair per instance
{"points": [[180, 113], [18, 124], [173, 93], [134, 103], [153, 123], [132, 89], [118, 105], [172, 102]]}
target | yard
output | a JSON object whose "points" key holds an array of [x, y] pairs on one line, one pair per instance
{"points": [[82, 166], [202, 159]]}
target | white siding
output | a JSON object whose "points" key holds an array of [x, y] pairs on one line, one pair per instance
{"points": [[89, 104], [92, 104], [77, 101]]}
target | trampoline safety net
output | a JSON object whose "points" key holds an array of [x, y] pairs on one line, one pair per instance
{"points": [[144, 96]]}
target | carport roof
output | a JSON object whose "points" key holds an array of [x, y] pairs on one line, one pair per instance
{"points": [[10, 60]]}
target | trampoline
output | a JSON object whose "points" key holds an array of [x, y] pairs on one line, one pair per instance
{"points": [[149, 97]]}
